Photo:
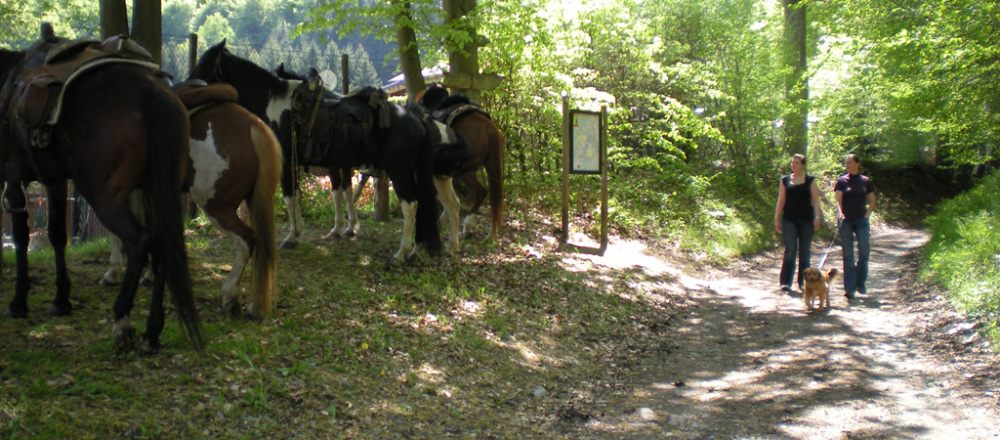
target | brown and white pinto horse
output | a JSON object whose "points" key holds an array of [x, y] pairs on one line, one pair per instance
{"points": [[485, 140], [118, 128], [234, 157]]}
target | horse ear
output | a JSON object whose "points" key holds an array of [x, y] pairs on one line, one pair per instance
{"points": [[48, 34]]}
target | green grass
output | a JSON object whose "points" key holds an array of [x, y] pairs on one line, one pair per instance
{"points": [[963, 254]]}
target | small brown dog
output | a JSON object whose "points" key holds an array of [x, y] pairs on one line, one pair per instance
{"points": [[817, 287]]}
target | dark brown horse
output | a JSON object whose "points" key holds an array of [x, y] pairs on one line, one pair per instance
{"points": [[234, 158], [467, 118], [117, 128]]}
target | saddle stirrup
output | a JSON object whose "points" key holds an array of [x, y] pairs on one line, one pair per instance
{"points": [[6, 204]]}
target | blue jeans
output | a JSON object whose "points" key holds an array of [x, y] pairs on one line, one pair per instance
{"points": [[797, 237], [855, 271]]}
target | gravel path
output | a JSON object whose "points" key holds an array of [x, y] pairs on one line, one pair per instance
{"points": [[749, 363]]}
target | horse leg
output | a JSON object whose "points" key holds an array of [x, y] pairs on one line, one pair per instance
{"points": [[406, 241], [446, 195], [295, 223], [136, 240], [18, 307], [57, 237], [347, 190], [244, 240], [113, 273], [150, 341], [471, 182], [338, 203]]}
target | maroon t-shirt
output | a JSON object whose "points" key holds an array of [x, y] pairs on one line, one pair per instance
{"points": [[856, 189]]}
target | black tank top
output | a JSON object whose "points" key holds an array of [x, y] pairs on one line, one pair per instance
{"points": [[798, 200]]}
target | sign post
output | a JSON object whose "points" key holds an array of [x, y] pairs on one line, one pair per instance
{"points": [[585, 152]]}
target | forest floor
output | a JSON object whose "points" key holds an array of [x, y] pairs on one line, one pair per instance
{"points": [[521, 339]]}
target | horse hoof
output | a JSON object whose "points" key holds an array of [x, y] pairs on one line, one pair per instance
{"points": [[106, 282], [231, 309], [57, 310], [148, 346], [15, 314], [124, 333], [145, 282], [287, 245]]}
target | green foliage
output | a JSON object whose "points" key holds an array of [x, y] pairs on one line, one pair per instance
{"points": [[926, 71], [962, 253], [216, 28], [177, 17]]}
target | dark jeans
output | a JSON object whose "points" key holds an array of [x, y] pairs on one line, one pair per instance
{"points": [[797, 238], [855, 271]]}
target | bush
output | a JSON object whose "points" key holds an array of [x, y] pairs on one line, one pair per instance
{"points": [[962, 254]]}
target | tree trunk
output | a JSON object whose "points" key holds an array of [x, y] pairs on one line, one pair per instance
{"points": [[114, 18], [409, 57], [147, 26], [796, 84], [463, 59]]}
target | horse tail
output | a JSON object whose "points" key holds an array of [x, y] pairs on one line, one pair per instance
{"points": [[264, 281], [494, 179], [167, 130], [427, 232]]}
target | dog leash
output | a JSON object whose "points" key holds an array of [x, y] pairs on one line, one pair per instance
{"points": [[834, 240]]}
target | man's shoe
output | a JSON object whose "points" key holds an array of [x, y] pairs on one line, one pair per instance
{"points": [[785, 289], [862, 290], [849, 295]]}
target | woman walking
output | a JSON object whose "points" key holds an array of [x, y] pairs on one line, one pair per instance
{"points": [[855, 202], [796, 216]]}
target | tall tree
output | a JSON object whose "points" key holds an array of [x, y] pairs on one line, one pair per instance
{"points": [[114, 18], [463, 52], [796, 83], [409, 56], [147, 26]]}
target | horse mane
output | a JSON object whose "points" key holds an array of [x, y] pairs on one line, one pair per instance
{"points": [[284, 73], [249, 72]]}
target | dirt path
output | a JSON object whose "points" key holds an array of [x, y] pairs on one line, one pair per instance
{"points": [[749, 363]]}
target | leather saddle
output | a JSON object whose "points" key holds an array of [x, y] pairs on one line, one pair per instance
{"points": [[454, 107], [197, 94], [37, 99], [338, 118]]}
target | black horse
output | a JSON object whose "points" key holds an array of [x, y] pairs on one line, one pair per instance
{"points": [[326, 120], [116, 127], [396, 140]]}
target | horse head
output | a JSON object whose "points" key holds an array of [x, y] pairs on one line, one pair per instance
{"points": [[432, 96], [210, 66], [281, 72]]}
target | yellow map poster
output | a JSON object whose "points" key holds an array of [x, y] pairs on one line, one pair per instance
{"points": [[585, 142]]}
